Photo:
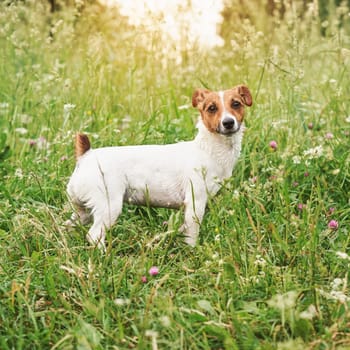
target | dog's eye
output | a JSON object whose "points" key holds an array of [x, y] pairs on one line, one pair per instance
{"points": [[212, 108], [235, 104]]}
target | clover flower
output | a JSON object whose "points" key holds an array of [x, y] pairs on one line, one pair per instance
{"points": [[273, 145], [333, 225], [32, 142], [331, 210], [153, 271], [301, 206]]}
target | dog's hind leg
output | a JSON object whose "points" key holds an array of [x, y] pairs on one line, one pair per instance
{"points": [[104, 215]]}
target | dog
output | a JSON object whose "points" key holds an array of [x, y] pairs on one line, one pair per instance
{"points": [[176, 175]]}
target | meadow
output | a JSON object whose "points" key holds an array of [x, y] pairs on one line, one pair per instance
{"points": [[271, 267]]}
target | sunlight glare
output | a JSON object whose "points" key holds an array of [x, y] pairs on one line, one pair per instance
{"points": [[184, 22]]}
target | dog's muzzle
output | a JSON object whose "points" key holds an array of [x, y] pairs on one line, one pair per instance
{"points": [[229, 126]]}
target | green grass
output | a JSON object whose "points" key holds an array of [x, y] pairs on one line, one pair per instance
{"points": [[267, 273]]}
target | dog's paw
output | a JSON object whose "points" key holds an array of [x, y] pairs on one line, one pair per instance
{"points": [[190, 241], [99, 243]]}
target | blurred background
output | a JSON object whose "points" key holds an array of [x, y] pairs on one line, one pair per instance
{"points": [[118, 62]]}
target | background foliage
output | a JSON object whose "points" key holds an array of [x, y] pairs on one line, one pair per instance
{"points": [[271, 269]]}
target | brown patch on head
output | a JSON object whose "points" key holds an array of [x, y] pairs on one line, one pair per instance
{"points": [[210, 107], [235, 99], [82, 144], [199, 96]]}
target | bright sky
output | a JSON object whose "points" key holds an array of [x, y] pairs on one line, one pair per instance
{"points": [[184, 21]]}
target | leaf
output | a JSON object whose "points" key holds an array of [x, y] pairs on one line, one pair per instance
{"points": [[251, 307], [206, 306], [222, 334], [88, 337]]}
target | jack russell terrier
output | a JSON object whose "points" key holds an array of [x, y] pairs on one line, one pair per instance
{"points": [[171, 176]]}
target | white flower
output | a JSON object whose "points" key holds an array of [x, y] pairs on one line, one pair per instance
{"points": [[42, 143], [121, 301], [296, 159], [21, 131], [283, 301], [342, 255], [315, 152], [334, 295], [309, 313], [165, 321], [215, 256], [19, 173], [68, 107], [4, 106], [260, 261], [337, 284], [235, 194], [339, 296]]}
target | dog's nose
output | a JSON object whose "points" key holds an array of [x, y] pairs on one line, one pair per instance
{"points": [[228, 123]]}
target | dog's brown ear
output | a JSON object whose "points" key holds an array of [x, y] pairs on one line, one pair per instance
{"points": [[198, 96], [245, 95]]}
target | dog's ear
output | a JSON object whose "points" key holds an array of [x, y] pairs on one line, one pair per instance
{"points": [[199, 96], [245, 95]]}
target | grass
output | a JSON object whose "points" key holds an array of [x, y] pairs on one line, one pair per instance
{"points": [[269, 273]]}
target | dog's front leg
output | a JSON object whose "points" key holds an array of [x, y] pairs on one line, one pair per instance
{"points": [[194, 212]]}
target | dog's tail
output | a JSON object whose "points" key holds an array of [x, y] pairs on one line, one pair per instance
{"points": [[82, 144]]}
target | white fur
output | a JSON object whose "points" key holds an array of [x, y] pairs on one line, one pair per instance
{"points": [[175, 175]]}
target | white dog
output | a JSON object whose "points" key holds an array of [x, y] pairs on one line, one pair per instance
{"points": [[171, 176]]}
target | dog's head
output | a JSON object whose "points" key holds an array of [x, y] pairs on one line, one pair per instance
{"points": [[222, 112]]}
